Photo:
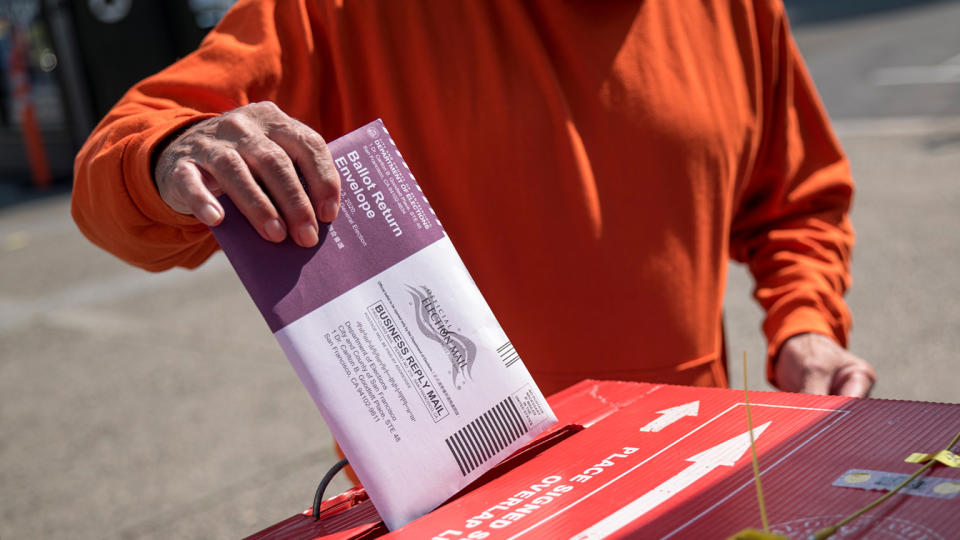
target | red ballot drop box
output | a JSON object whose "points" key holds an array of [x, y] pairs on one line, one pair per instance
{"points": [[637, 460]]}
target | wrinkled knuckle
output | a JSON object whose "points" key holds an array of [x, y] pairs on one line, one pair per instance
{"points": [[168, 175], [217, 158], [233, 123], [312, 140], [274, 159], [204, 145], [329, 175], [179, 170], [268, 108], [302, 136], [224, 161]]}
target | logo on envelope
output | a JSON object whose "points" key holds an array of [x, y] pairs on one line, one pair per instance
{"points": [[460, 350]]}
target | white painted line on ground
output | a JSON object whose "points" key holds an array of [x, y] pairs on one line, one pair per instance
{"points": [[913, 75], [947, 71], [951, 60], [14, 313], [895, 126]]}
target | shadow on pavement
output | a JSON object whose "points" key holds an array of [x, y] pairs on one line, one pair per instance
{"points": [[819, 11], [16, 193]]}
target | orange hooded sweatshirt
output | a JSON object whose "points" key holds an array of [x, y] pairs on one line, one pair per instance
{"points": [[595, 163]]}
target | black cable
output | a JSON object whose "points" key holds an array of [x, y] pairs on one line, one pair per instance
{"points": [[318, 497]]}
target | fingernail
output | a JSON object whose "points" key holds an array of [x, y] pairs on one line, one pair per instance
{"points": [[308, 236], [329, 211], [275, 230], [209, 215]]}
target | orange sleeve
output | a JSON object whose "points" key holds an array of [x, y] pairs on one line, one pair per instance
{"points": [[791, 224], [115, 202]]}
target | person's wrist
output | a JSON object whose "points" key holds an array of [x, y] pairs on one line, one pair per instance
{"points": [[794, 339]]}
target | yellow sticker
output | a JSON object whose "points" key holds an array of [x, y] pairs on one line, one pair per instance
{"points": [[946, 457], [857, 478], [947, 488]]}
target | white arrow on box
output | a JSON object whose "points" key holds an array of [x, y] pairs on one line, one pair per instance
{"points": [[725, 454], [671, 415]]}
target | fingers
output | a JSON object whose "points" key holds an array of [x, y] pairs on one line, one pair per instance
{"points": [[855, 379], [235, 178], [310, 153], [253, 154], [276, 171], [815, 364], [193, 197], [248, 147], [857, 384]]}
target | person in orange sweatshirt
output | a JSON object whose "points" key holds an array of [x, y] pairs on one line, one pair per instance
{"points": [[596, 164]]}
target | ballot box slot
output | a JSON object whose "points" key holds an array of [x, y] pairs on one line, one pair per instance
{"points": [[533, 449], [486, 435]]}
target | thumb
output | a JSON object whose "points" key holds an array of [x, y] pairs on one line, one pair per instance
{"points": [[853, 383]]}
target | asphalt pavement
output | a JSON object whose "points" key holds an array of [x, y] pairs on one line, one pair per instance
{"points": [[137, 405]]}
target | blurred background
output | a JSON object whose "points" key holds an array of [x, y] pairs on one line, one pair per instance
{"points": [[136, 405]]}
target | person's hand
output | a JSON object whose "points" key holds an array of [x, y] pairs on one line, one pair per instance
{"points": [[816, 364], [253, 154]]}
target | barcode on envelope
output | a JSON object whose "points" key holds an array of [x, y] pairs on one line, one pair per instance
{"points": [[477, 442], [508, 354]]}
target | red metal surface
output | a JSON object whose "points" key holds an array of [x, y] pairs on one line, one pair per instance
{"points": [[349, 515], [581, 484]]}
